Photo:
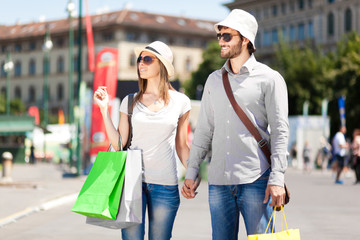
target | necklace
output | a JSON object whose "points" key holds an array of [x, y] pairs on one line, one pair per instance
{"points": [[156, 102]]}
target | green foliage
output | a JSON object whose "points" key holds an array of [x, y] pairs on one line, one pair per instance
{"points": [[303, 70], [211, 62], [17, 107], [312, 75]]}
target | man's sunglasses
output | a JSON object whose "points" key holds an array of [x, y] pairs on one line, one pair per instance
{"points": [[225, 36], [146, 59]]}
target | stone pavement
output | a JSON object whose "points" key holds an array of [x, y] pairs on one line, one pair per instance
{"points": [[321, 209], [35, 188]]}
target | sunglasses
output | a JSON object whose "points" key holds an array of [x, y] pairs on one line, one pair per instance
{"points": [[225, 36], [146, 59]]}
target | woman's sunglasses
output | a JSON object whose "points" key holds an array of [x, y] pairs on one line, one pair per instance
{"points": [[147, 60], [225, 36]]}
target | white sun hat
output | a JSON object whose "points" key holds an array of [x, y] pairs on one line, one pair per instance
{"points": [[241, 21], [162, 52]]}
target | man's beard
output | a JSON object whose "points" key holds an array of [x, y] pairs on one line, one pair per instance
{"points": [[232, 53]]}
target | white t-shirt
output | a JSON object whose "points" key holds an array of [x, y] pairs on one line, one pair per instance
{"points": [[339, 139], [154, 133]]}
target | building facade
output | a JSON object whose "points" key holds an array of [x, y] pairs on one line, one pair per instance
{"points": [[322, 22], [123, 30]]}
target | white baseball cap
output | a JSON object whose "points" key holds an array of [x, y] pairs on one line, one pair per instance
{"points": [[241, 21], [162, 52]]}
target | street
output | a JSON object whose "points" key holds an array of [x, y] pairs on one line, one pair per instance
{"points": [[318, 207]]}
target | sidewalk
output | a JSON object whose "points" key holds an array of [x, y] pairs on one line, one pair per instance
{"points": [[34, 188]]}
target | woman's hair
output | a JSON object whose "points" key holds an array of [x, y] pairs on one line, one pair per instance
{"points": [[164, 85]]}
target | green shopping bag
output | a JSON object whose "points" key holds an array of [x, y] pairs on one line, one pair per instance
{"points": [[100, 195]]}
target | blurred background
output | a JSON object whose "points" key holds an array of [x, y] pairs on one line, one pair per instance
{"points": [[53, 55]]}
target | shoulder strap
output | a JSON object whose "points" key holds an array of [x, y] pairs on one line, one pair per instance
{"points": [[130, 110], [263, 144]]}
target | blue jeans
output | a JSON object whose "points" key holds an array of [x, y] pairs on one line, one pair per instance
{"points": [[228, 201], [162, 202]]}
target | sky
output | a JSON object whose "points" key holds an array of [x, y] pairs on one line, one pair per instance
{"points": [[27, 11]]}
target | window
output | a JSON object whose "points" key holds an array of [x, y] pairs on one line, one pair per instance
{"points": [[132, 60], [267, 40], [292, 6], [32, 46], [283, 8], [274, 35], [292, 33], [132, 36], [310, 3], [60, 92], [32, 94], [188, 66], [301, 31], [17, 69], [301, 4], [311, 30], [274, 10], [2, 71], [258, 40], [60, 66], [76, 63], [32, 67], [108, 36], [18, 47], [331, 1], [59, 42], [17, 92], [330, 24], [348, 20]]}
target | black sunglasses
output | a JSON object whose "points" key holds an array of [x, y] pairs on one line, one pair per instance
{"points": [[146, 59], [225, 36]]}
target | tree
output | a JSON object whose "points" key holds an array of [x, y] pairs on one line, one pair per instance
{"points": [[303, 69], [211, 62], [346, 81]]}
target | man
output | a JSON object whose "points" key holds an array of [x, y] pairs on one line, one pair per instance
{"points": [[340, 148], [240, 178]]}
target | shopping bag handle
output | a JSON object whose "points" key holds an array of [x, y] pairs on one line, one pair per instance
{"points": [[273, 216], [120, 147]]}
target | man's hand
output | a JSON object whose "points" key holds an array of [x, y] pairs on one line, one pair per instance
{"points": [[277, 194], [189, 188]]}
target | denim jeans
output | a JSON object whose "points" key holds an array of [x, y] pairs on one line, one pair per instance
{"points": [[228, 201], [162, 202]]}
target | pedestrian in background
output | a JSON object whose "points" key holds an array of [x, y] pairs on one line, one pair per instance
{"points": [[355, 146], [340, 148], [159, 122], [306, 157], [240, 178]]}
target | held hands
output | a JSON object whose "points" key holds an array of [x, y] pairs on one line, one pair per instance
{"points": [[189, 187], [277, 194], [101, 97]]}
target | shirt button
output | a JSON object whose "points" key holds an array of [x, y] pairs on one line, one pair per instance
{"points": [[227, 137], [227, 121], [230, 105], [228, 153]]}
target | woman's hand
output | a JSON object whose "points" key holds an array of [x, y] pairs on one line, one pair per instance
{"points": [[101, 97]]}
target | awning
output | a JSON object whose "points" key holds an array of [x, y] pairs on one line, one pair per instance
{"points": [[16, 125]]}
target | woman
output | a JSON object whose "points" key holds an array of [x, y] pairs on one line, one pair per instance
{"points": [[159, 123], [355, 147]]}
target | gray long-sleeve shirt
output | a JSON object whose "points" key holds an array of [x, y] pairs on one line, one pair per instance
{"points": [[236, 158]]}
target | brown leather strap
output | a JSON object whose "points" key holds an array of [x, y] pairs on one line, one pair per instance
{"points": [[262, 143]]}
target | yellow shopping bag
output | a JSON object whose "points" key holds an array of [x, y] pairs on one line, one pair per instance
{"points": [[288, 234]]}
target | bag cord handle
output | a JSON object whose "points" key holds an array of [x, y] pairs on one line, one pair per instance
{"points": [[273, 216]]}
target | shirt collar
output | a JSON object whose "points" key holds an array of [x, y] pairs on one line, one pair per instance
{"points": [[247, 67]]}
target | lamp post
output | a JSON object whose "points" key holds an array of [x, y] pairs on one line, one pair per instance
{"points": [[70, 8], [46, 49], [8, 66]]}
